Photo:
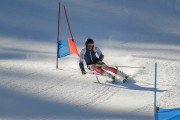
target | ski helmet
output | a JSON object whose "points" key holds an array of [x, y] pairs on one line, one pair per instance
{"points": [[89, 41]]}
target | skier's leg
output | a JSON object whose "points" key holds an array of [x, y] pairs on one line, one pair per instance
{"points": [[115, 71], [100, 71], [122, 74], [111, 69]]}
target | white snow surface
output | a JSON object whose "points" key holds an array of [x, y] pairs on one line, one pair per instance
{"points": [[32, 88]]}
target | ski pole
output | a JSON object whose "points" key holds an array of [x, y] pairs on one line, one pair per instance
{"points": [[129, 66]]}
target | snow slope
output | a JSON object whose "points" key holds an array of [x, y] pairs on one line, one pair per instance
{"points": [[31, 87]]}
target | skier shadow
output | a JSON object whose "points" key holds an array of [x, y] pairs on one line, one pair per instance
{"points": [[130, 84]]}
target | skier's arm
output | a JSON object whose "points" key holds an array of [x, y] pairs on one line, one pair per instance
{"points": [[81, 65], [101, 56], [81, 60]]}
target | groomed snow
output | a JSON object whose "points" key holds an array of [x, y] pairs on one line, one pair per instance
{"points": [[31, 87]]}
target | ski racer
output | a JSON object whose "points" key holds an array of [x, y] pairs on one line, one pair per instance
{"points": [[94, 61]]}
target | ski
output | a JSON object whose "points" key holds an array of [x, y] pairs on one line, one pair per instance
{"points": [[111, 82]]}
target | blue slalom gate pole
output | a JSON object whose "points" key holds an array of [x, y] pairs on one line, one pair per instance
{"points": [[155, 90]]}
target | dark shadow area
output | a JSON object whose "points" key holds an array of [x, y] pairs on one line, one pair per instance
{"points": [[24, 50], [12, 56], [18, 53], [142, 21], [130, 84], [16, 105]]}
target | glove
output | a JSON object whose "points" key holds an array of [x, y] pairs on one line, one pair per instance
{"points": [[83, 72], [99, 63]]}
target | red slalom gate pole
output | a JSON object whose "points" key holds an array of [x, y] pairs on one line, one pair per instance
{"points": [[68, 23], [58, 34]]}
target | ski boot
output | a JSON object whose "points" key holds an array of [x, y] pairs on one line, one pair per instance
{"points": [[125, 79], [113, 79], [122, 75]]}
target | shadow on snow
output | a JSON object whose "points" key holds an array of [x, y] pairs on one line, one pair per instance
{"points": [[18, 105]]}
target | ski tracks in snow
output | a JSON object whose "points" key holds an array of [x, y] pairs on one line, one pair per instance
{"points": [[38, 82], [40, 79]]}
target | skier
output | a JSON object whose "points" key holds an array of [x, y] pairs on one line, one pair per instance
{"points": [[95, 63]]}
